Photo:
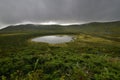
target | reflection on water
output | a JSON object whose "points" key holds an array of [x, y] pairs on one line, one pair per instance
{"points": [[53, 39]]}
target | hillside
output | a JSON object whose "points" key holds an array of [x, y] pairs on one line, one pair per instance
{"points": [[96, 27], [109, 30]]}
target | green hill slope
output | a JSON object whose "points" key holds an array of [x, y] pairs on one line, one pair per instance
{"points": [[104, 28]]}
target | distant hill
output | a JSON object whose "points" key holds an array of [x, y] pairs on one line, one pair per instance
{"points": [[94, 28]]}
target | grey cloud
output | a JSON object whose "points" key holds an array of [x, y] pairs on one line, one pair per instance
{"points": [[16, 11]]}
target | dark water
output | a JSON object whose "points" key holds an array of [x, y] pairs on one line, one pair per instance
{"points": [[54, 39]]}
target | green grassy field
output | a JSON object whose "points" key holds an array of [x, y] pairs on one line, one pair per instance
{"points": [[93, 55]]}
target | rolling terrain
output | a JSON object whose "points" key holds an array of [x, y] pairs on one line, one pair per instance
{"points": [[93, 55]]}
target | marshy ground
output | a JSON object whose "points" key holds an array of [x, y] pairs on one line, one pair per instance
{"points": [[90, 56]]}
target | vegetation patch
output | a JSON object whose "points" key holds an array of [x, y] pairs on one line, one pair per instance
{"points": [[91, 56]]}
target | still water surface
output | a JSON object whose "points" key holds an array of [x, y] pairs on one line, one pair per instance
{"points": [[54, 39]]}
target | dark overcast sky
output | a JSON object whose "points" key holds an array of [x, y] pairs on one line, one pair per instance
{"points": [[17, 11]]}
